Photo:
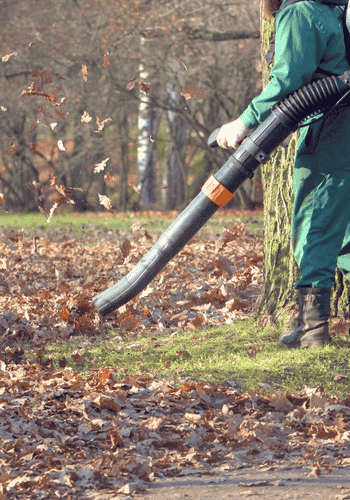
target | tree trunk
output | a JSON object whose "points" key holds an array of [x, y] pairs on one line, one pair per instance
{"points": [[281, 271], [177, 192], [124, 146], [146, 149]]}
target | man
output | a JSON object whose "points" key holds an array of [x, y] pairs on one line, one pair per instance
{"points": [[310, 45]]}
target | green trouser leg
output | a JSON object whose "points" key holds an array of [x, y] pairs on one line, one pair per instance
{"points": [[321, 210], [320, 225]]}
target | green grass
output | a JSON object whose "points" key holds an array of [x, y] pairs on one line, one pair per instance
{"points": [[246, 355], [80, 224]]}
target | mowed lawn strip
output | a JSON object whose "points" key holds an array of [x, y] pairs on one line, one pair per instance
{"points": [[243, 354]]}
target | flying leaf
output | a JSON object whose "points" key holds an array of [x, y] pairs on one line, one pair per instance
{"points": [[42, 78], [84, 72], [109, 178], [195, 92], [53, 208], [105, 201], [53, 182], [135, 188], [3, 108], [101, 125], [61, 145], [53, 126], [100, 166], [106, 60], [8, 57], [86, 118], [2, 197], [60, 114], [143, 87], [13, 150], [64, 190], [43, 112], [177, 57], [131, 83]]}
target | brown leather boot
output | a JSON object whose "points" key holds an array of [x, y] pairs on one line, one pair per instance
{"points": [[312, 326]]}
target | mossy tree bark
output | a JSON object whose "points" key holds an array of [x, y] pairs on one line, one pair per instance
{"points": [[281, 271]]}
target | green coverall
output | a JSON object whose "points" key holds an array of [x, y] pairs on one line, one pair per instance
{"points": [[310, 45]]}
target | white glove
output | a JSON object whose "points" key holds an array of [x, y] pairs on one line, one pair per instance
{"points": [[232, 134]]}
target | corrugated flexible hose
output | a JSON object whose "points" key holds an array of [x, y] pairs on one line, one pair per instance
{"points": [[285, 118]]}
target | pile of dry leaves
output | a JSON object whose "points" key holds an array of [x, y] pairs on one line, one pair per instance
{"points": [[47, 282], [104, 438]]}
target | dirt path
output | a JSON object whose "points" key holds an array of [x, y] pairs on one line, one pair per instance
{"points": [[250, 483]]}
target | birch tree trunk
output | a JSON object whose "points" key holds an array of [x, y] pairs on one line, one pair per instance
{"points": [[281, 271]]}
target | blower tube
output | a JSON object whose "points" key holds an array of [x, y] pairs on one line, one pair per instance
{"points": [[285, 118]]}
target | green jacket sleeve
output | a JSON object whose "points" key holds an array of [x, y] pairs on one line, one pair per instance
{"points": [[301, 42]]}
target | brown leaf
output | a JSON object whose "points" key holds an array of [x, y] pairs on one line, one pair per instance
{"points": [[109, 404], [100, 125], [130, 324], [53, 182], [8, 57], [280, 402], [106, 60], [116, 439], [105, 201], [44, 112], [99, 167], [85, 118], [255, 483], [77, 357], [42, 78], [125, 248], [143, 87], [84, 72], [62, 362], [64, 314], [13, 150], [253, 352], [60, 114], [134, 187], [195, 92], [131, 84]]}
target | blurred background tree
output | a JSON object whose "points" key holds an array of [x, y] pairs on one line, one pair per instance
{"points": [[77, 76]]}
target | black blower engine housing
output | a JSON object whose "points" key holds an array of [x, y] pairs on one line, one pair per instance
{"points": [[285, 117]]}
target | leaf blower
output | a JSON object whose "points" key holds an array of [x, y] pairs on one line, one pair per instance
{"points": [[320, 96]]}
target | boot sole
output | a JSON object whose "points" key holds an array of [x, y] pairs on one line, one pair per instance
{"points": [[306, 345], [314, 343]]}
